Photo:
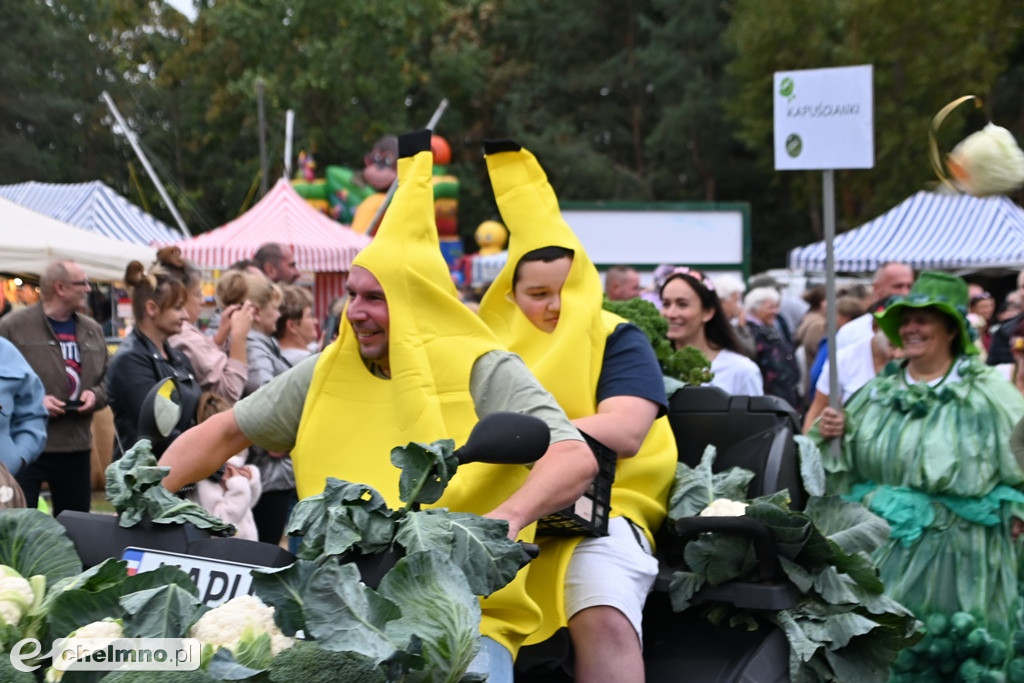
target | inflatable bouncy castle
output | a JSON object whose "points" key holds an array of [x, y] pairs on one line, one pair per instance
{"points": [[354, 197]]}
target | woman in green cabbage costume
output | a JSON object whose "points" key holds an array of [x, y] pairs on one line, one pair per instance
{"points": [[926, 445]]}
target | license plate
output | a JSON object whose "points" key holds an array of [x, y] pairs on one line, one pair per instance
{"points": [[217, 580]]}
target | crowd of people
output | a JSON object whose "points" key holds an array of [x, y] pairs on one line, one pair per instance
{"points": [[58, 372], [928, 425], [784, 338]]}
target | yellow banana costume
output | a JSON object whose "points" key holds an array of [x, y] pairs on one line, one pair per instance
{"points": [[352, 419], [567, 361]]}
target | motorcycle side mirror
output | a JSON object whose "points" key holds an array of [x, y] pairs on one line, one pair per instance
{"points": [[160, 411], [506, 439]]}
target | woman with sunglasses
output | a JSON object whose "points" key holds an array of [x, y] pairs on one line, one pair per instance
{"points": [[695, 318], [145, 357]]}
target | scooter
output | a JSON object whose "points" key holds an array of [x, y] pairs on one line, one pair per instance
{"points": [[752, 432], [755, 433]]}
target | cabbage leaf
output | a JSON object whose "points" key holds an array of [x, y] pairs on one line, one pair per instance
{"points": [[843, 627]]}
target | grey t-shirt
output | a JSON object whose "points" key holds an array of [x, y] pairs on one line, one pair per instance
{"points": [[500, 381]]}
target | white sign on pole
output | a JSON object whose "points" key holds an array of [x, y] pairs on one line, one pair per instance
{"points": [[824, 119]]}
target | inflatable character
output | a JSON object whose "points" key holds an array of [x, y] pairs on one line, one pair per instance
{"points": [[446, 201], [477, 271], [492, 237], [354, 197], [309, 187], [370, 186]]}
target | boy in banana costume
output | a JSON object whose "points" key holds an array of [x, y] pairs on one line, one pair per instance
{"points": [[546, 306]]}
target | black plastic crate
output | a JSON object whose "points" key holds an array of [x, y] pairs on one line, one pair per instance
{"points": [[588, 516]]}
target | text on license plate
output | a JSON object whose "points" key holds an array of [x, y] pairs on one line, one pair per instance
{"points": [[217, 580]]}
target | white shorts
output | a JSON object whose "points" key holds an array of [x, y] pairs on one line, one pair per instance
{"points": [[616, 570]]}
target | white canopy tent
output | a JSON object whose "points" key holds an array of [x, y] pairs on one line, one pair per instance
{"points": [[930, 230], [91, 206], [30, 240]]}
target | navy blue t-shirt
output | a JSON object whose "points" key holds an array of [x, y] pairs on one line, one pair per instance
{"points": [[631, 369], [64, 330]]}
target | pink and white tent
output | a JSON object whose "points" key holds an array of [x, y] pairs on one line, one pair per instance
{"points": [[319, 244]]}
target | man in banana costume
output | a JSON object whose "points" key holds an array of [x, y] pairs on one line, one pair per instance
{"points": [[546, 306], [413, 364]]}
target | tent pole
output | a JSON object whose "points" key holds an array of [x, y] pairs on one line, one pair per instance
{"points": [[289, 125], [262, 123], [394, 184], [828, 191], [128, 133]]}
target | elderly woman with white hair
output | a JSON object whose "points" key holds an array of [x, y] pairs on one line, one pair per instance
{"points": [[730, 292], [773, 353]]}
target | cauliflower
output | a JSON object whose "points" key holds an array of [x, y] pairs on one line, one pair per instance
{"points": [[107, 628], [237, 622], [16, 595], [723, 507]]}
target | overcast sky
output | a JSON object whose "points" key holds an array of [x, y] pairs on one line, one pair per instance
{"points": [[183, 6]]}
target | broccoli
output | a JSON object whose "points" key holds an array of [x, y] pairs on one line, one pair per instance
{"points": [[962, 623], [937, 624], [688, 364], [309, 663], [197, 676]]}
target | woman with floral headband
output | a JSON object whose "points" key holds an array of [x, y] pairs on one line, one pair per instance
{"points": [[695, 318]]}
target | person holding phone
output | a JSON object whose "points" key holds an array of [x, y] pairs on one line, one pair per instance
{"points": [[67, 350]]}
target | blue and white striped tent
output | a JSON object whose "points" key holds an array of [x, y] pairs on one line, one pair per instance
{"points": [[928, 230], [92, 206]]}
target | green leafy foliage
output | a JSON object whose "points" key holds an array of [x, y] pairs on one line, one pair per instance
{"points": [[98, 593], [32, 543], [842, 627], [8, 674], [134, 489], [343, 516], [422, 621], [689, 365], [438, 609], [342, 613], [652, 100], [162, 612], [479, 545], [695, 487], [283, 590], [225, 666], [426, 470]]}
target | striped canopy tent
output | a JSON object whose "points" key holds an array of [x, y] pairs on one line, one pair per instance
{"points": [[91, 206], [319, 244], [929, 230]]}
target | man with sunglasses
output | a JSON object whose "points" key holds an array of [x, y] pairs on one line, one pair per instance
{"points": [[67, 350]]}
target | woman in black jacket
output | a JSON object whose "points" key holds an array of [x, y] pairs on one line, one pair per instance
{"points": [[145, 358]]}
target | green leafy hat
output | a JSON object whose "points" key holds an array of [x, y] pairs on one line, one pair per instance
{"points": [[944, 292]]}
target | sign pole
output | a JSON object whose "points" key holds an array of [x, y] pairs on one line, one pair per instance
{"points": [[828, 189], [824, 120]]}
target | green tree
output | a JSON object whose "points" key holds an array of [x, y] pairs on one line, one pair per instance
{"points": [[54, 70], [924, 55]]}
